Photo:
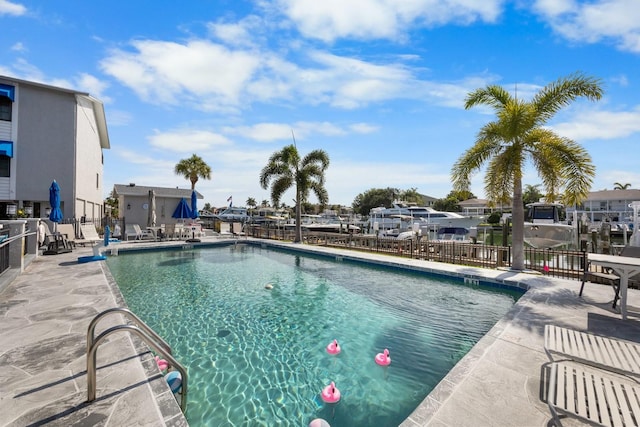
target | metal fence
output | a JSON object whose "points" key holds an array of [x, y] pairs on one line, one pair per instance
{"points": [[556, 263]]}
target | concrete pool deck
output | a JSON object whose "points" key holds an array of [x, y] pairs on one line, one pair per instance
{"points": [[45, 312]]}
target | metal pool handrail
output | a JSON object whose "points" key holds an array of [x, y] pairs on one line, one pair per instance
{"points": [[146, 334], [92, 327]]}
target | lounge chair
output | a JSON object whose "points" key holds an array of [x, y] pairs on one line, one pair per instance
{"points": [[602, 400], [89, 233], [237, 229], [608, 277], [225, 229], [143, 234], [69, 233], [602, 352]]}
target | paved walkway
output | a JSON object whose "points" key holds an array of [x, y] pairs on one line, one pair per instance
{"points": [[45, 313]]}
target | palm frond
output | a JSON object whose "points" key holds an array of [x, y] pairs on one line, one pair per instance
{"points": [[493, 96], [562, 92]]}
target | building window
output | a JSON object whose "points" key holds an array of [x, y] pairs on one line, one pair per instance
{"points": [[5, 166], [5, 108], [97, 181]]}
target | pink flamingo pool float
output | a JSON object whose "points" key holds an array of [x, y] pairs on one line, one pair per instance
{"points": [[333, 347], [330, 394], [383, 359], [162, 364]]}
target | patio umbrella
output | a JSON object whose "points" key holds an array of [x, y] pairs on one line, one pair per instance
{"points": [[182, 210], [194, 205], [54, 200], [151, 219]]}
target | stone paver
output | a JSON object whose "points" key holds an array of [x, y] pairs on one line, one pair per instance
{"points": [[45, 312]]}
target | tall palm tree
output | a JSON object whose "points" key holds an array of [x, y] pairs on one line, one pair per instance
{"points": [[619, 186], [518, 137], [192, 169], [286, 169]]}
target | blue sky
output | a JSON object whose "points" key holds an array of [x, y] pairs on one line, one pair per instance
{"points": [[378, 84]]}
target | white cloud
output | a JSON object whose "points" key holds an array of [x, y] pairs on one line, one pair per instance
{"points": [[11, 8], [363, 128], [600, 125], [94, 86], [263, 132], [269, 132], [187, 140], [19, 47], [591, 22], [241, 33], [212, 77], [329, 20], [199, 71]]}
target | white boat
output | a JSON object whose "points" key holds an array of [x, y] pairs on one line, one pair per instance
{"points": [[233, 214], [324, 224], [544, 227], [270, 216], [404, 216], [454, 234]]}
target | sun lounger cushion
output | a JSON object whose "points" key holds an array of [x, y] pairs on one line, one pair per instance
{"points": [[606, 353], [596, 398]]}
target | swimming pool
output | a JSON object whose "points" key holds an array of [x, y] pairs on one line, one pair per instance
{"points": [[257, 356]]}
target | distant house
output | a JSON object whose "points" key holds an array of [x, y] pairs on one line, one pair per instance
{"points": [[428, 200], [134, 202], [478, 207], [475, 207], [49, 133], [610, 205]]}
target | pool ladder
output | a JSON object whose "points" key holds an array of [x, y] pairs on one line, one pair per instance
{"points": [[148, 335]]}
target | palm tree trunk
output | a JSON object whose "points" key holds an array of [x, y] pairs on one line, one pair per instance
{"points": [[517, 238], [298, 237]]}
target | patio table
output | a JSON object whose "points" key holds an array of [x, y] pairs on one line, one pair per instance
{"points": [[625, 267]]}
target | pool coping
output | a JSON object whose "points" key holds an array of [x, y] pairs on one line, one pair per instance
{"points": [[498, 382]]}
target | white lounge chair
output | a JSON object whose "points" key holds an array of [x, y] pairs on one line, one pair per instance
{"points": [[89, 233], [606, 353], [602, 400], [237, 229]]}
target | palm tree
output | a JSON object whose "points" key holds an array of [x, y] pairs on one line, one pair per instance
{"points": [[618, 186], [192, 169], [251, 203], [518, 136], [286, 169]]}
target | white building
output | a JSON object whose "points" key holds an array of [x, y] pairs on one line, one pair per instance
{"points": [[612, 205], [49, 133]]}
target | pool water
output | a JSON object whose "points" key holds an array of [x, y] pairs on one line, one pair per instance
{"points": [[256, 357]]}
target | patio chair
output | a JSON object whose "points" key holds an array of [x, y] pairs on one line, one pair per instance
{"points": [[69, 234], [225, 229], [142, 234], [237, 229], [606, 353], [607, 277], [595, 398], [89, 233]]}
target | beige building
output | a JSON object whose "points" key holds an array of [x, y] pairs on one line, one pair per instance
{"points": [[134, 203]]}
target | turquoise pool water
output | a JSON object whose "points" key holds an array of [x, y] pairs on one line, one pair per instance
{"points": [[256, 357]]}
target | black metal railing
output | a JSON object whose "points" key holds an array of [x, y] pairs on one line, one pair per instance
{"points": [[555, 263]]}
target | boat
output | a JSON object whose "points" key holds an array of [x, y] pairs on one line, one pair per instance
{"points": [[454, 234], [405, 216], [233, 214], [545, 228], [324, 224], [269, 216]]}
